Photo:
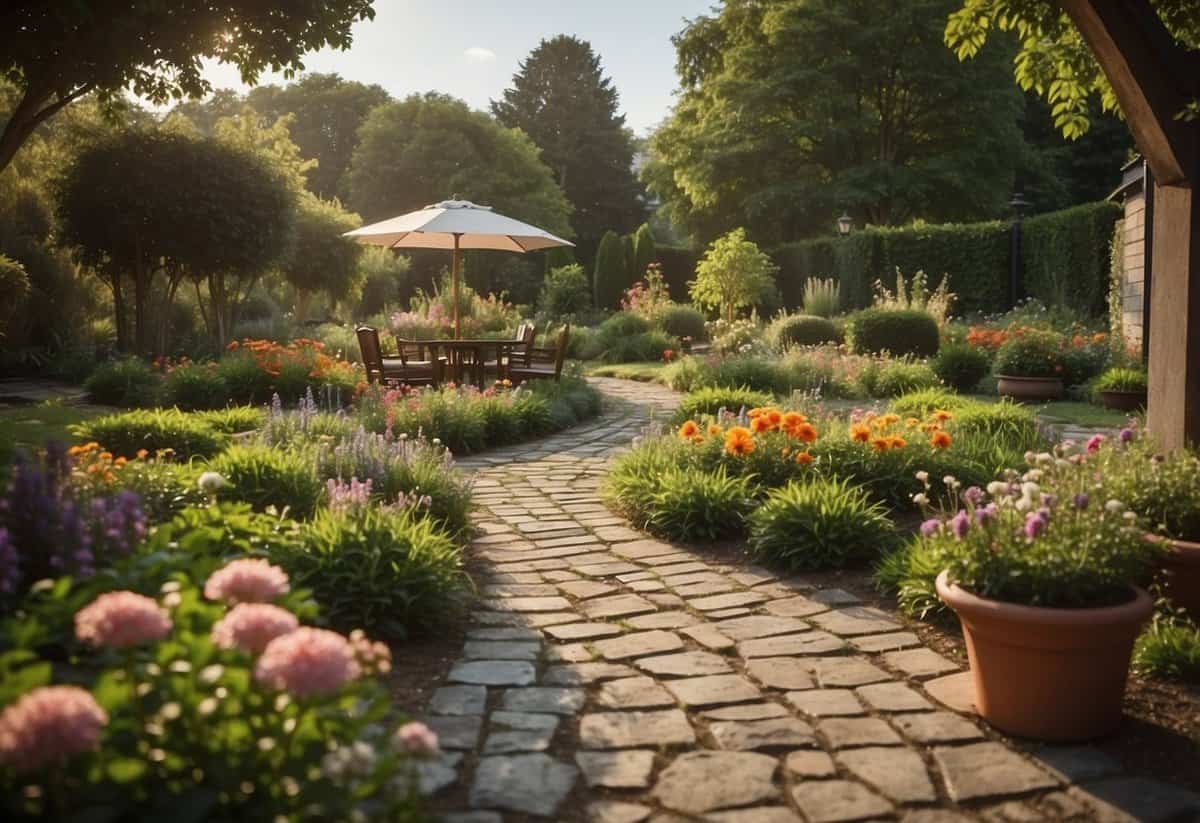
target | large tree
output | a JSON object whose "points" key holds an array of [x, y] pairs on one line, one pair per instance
{"points": [[320, 259], [792, 111], [432, 147], [562, 100], [56, 51], [327, 112]]}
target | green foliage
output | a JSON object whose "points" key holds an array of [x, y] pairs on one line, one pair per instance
{"points": [[802, 330], [126, 433], [14, 289], [996, 435], [235, 420], [1122, 379], [565, 293], [128, 382], [1035, 353], [191, 386], [245, 380], [961, 366], [1064, 256], [818, 524], [909, 573], [900, 333], [711, 399], [384, 276], [1163, 488], [1170, 648], [609, 277], [822, 296], [914, 295], [683, 321], [892, 378], [267, 477], [644, 250], [733, 274], [320, 259], [693, 505], [923, 402], [626, 338], [382, 570], [678, 265]]}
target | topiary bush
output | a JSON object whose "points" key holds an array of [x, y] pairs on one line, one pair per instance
{"points": [[565, 293], [711, 399], [904, 332], [269, 477], [194, 386], [129, 383], [610, 276], [127, 433], [683, 321], [802, 330], [822, 523], [961, 366]]}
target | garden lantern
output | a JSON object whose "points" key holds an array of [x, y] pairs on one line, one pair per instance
{"points": [[844, 224]]}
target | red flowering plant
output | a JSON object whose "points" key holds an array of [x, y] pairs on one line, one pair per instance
{"points": [[649, 297], [1032, 353]]}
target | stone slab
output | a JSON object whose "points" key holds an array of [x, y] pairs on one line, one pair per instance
{"points": [[618, 605], [547, 699], [633, 693], [582, 631], [754, 626], [617, 770], [826, 702], [530, 783], [937, 727], [579, 674], [786, 673], [832, 801], [807, 643], [893, 697], [899, 774], [713, 690], [501, 650], [771, 733], [845, 732], [493, 673], [458, 700], [685, 664], [637, 644], [706, 781], [631, 729], [979, 770]]}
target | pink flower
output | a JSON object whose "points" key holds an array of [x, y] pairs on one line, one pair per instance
{"points": [[418, 739], [372, 657], [307, 662], [251, 626], [118, 620], [48, 725], [1093, 444], [247, 581]]}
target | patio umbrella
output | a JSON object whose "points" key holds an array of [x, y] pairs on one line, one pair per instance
{"points": [[457, 225]]}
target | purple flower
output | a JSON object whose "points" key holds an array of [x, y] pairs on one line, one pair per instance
{"points": [[1035, 524], [984, 515], [1127, 435], [930, 527], [973, 495], [1049, 500], [960, 524], [1094, 442], [1080, 501], [10, 564]]}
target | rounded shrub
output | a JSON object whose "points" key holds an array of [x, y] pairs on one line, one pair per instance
{"points": [[1034, 353], [264, 477], [623, 324], [246, 381], [961, 366], [711, 399], [897, 377], [195, 386], [683, 321], [898, 331], [130, 382], [822, 523], [802, 330], [127, 433]]}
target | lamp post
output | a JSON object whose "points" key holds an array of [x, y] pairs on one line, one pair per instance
{"points": [[1018, 204], [844, 224]]}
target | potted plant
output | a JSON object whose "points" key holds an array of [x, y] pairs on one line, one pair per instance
{"points": [[1029, 366], [1122, 389], [1042, 571], [1165, 490]]}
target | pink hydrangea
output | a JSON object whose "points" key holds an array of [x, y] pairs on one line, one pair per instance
{"points": [[118, 620], [307, 662], [251, 626], [247, 580], [48, 725], [418, 739], [372, 656]]}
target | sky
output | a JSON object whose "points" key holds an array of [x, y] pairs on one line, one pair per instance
{"points": [[471, 48]]}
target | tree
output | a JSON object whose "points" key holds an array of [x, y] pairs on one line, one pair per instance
{"points": [[565, 293], [609, 276], [57, 51], [1054, 61], [562, 100], [644, 252], [327, 112], [384, 278], [795, 110], [148, 203], [733, 274], [429, 148], [320, 259]]}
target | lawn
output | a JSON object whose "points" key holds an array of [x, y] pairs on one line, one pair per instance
{"points": [[29, 427], [645, 372], [1081, 414]]}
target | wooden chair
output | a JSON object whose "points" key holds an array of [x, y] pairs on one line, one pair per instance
{"points": [[542, 363], [400, 369], [526, 332]]}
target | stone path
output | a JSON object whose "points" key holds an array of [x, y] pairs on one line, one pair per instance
{"points": [[615, 678]]}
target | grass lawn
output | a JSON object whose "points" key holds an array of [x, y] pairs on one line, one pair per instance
{"points": [[1081, 414], [29, 427], [647, 372]]}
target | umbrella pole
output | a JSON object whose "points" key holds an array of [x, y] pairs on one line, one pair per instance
{"points": [[454, 285]]}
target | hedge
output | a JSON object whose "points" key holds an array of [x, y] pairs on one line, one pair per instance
{"points": [[1070, 244], [678, 267]]}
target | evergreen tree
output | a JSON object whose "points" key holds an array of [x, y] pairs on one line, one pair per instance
{"points": [[608, 281], [562, 100], [644, 251]]}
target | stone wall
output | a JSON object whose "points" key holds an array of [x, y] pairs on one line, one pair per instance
{"points": [[1133, 267]]}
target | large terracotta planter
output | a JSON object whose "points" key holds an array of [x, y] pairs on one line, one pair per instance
{"points": [[1048, 674], [1129, 401], [1182, 565], [1029, 389]]}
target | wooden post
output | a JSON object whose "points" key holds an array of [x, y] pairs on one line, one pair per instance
{"points": [[454, 285]]}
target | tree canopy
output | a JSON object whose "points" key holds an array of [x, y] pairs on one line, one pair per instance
{"points": [[795, 110], [320, 259], [733, 274], [562, 100], [59, 50], [428, 148]]}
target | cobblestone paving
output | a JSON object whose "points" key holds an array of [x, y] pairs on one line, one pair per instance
{"points": [[615, 678]]}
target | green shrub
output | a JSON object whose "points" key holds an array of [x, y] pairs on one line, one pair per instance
{"points": [[1035, 353], [733, 274], [627, 338], [802, 330], [644, 252], [1122, 380], [923, 402], [381, 570], [823, 523], [194, 386], [565, 293], [711, 399], [1005, 423], [1065, 258], [892, 378], [127, 433], [268, 477], [822, 296], [900, 333], [697, 505], [1163, 488], [961, 367], [610, 277], [129, 383], [683, 321], [889, 476], [1082, 363], [1170, 647], [234, 420], [247, 382], [534, 415], [909, 574]]}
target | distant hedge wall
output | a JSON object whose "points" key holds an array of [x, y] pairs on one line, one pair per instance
{"points": [[1064, 256], [678, 267]]}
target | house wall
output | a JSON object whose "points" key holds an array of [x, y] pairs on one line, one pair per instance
{"points": [[1133, 268]]}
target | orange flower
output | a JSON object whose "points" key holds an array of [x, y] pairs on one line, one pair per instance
{"points": [[881, 444], [791, 420], [897, 442], [713, 429], [689, 430], [775, 417], [785, 452], [142, 454], [120, 461], [804, 458], [106, 456], [860, 433], [760, 424], [940, 440], [739, 441], [942, 416], [75, 451], [1099, 337], [698, 439], [912, 422], [755, 412], [805, 432]]}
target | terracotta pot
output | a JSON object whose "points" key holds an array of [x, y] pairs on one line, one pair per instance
{"points": [[1182, 565], [1029, 389], [1048, 674], [1129, 401]]}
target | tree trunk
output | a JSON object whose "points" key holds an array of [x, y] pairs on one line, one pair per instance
{"points": [[141, 282], [28, 115], [304, 300], [119, 313]]}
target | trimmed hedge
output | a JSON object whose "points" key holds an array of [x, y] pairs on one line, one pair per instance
{"points": [[1064, 256], [900, 332], [678, 267]]}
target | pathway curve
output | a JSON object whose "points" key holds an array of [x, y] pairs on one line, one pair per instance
{"points": [[615, 678]]}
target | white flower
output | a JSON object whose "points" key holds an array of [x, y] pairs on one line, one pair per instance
{"points": [[997, 488], [1062, 463], [1033, 475], [1030, 489], [1045, 459], [1024, 504], [920, 499], [437, 441], [1030, 457], [951, 481], [923, 476], [211, 482], [1114, 506], [1130, 515]]}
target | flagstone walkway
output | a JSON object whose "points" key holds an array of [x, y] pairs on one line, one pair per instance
{"points": [[615, 678]]}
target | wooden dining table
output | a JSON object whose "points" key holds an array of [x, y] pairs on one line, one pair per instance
{"points": [[464, 358]]}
